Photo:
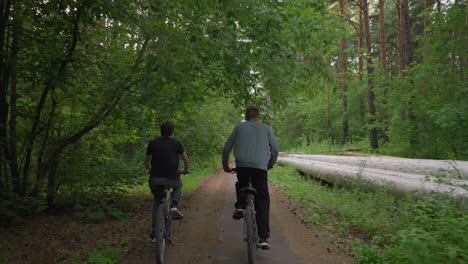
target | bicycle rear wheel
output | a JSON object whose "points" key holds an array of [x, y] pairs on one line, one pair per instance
{"points": [[249, 223], [159, 230]]}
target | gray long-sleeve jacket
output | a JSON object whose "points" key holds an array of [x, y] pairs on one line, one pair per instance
{"points": [[255, 146]]}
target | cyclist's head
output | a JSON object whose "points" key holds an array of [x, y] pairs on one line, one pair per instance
{"points": [[251, 112], [167, 129]]}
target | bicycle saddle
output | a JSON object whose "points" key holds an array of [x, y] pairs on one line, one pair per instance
{"points": [[249, 190]]}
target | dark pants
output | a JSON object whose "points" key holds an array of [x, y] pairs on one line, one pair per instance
{"points": [[259, 181], [157, 188]]}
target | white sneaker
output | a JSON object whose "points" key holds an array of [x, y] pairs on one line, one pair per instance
{"points": [[263, 244], [238, 214], [176, 214]]}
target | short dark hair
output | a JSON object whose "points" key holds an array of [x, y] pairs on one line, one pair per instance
{"points": [[251, 112], [167, 128]]}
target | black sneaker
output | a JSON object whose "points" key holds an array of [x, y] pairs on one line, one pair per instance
{"points": [[263, 244], [238, 214]]}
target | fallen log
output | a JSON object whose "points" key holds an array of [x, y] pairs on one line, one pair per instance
{"points": [[452, 169], [341, 171], [350, 149]]}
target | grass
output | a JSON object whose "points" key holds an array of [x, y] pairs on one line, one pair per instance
{"points": [[200, 170], [327, 148], [383, 229]]}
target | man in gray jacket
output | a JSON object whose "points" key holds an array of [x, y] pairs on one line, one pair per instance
{"points": [[255, 152]]}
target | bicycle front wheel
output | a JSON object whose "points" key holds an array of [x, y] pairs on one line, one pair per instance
{"points": [[249, 222], [159, 230]]}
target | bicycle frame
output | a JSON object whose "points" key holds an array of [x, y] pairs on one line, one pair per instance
{"points": [[163, 226], [250, 224]]}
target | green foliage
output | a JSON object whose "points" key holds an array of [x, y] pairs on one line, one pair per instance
{"points": [[106, 254], [420, 114], [365, 254], [15, 209], [200, 170], [95, 77], [95, 211], [428, 230]]}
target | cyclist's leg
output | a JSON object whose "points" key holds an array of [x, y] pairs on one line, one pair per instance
{"points": [[243, 180], [176, 193], [262, 202], [158, 194]]}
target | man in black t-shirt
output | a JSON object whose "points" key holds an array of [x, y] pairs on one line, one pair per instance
{"points": [[162, 162]]}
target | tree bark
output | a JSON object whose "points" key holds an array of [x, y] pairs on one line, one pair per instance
{"points": [[4, 78], [362, 103], [13, 95], [360, 42], [42, 166], [401, 38], [383, 63], [342, 79], [407, 31], [328, 110], [374, 143], [382, 41], [427, 14]]}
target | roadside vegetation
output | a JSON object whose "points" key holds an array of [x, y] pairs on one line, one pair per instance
{"points": [[377, 226]]}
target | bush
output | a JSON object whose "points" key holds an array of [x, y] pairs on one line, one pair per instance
{"points": [[15, 208], [429, 230]]}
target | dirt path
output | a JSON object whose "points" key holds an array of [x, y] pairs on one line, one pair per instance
{"points": [[209, 235]]}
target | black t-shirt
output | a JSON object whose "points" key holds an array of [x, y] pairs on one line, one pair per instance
{"points": [[165, 153]]}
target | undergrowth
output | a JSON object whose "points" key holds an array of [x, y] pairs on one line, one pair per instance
{"points": [[326, 147], [386, 229], [105, 254], [94, 209]]}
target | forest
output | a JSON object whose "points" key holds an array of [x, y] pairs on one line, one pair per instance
{"points": [[85, 84]]}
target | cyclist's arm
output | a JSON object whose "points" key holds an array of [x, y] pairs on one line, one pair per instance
{"points": [[227, 149], [274, 148], [186, 163], [148, 162]]}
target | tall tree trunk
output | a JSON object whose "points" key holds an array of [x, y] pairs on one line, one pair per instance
{"points": [[13, 95], [382, 41], [328, 110], [383, 63], [427, 14], [426, 47], [5, 7], [360, 41], [42, 165], [342, 79], [362, 107], [408, 59], [407, 30], [401, 38], [51, 186], [374, 143]]}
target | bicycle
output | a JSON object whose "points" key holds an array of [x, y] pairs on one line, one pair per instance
{"points": [[250, 223], [164, 226]]}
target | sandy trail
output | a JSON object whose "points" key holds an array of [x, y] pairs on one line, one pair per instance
{"points": [[208, 235]]}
